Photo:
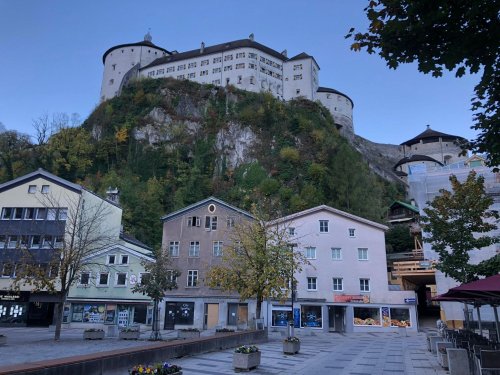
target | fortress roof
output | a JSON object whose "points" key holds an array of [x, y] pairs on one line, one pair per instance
{"points": [[228, 46], [430, 135], [413, 158], [302, 56], [333, 91], [143, 43]]}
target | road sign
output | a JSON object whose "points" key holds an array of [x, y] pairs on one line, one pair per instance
{"points": [[410, 300]]}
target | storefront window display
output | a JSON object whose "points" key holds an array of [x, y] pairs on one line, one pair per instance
{"points": [[280, 318], [310, 316], [88, 313], [400, 317], [13, 312], [366, 316]]}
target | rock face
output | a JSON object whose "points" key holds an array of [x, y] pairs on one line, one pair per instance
{"points": [[235, 145]]}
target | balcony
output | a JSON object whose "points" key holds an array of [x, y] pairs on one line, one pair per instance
{"points": [[415, 272]]}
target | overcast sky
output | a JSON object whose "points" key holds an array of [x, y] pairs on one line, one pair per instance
{"points": [[51, 57]]}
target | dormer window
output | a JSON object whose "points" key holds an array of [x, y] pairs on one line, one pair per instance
{"points": [[124, 259], [111, 259]]}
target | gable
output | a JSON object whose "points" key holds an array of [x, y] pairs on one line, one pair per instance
{"points": [[205, 205]]}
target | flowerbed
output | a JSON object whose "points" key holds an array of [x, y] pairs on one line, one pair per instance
{"points": [[158, 369]]}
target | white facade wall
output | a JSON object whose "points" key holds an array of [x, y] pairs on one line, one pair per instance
{"points": [[445, 151], [246, 68], [119, 61], [424, 187], [340, 107], [300, 79]]}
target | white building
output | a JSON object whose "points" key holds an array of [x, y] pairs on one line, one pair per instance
{"points": [[244, 63], [345, 287], [424, 187]]}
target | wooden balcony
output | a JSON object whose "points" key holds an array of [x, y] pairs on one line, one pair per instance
{"points": [[416, 272]]}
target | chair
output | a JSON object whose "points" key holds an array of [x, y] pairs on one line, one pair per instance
{"points": [[490, 362]]}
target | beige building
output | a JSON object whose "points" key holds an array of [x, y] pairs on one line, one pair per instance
{"points": [[195, 237]]}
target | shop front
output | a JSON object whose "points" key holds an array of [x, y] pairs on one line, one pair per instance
{"points": [[26, 309], [123, 314]]}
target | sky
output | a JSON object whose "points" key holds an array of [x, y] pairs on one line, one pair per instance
{"points": [[51, 57]]}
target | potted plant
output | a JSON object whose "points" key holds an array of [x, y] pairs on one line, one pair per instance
{"points": [[129, 333], [246, 357], [220, 331], [291, 345], [158, 368], [189, 333], [3, 339], [93, 334]]}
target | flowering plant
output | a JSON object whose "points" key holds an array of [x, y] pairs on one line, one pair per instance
{"points": [[190, 330], [292, 339], [158, 369], [224, 330], [94, 330], [246, 349]]}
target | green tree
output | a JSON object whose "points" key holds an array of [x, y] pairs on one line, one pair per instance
{"points": [[399, 239], [159, 277], [15, 154], [458, 222], [443, 35], [258, 263]]}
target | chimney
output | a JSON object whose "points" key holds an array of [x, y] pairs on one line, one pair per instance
{"points": [[113, 195], [202, 48], [285, 53], [413, 203], [251, 37]]}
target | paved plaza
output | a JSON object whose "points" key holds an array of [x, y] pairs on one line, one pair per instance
{"points": [[321, 353]]}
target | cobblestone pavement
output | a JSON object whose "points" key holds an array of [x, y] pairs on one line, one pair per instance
{"points": [[321, 353]]}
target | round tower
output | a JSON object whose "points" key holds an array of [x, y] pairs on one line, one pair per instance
{"points": [[340, 106], [121, 63]]}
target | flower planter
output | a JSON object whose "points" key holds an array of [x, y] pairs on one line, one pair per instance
{"points": [[3, 340], [129, 335], [443, 359], [93, 335], [244, 361], [291, 347], [189, 334]]}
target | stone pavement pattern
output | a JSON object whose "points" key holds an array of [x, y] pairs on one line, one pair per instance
{"points": [[321, 353]]}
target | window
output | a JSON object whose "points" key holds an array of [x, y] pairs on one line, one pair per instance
{"points": [[172, 276], [29, 213], [252, 55], [228, 57], [41, 213], [252, 80], [84, 278], [399, 317], [217, 248], [240, 55], [230, 222], [182, 76], [217, 60], [204, 73], [252, 66], [124, 259], [337, 284], [181, 67], [58, 242], [210, 222], [362, 254], [240, 66], [297, 67], [51, 213], [323, 226], [204, 62], [12, 243], [47, 242], [364, 285], [6, 213], [192, 65], [336, 253], [216, 82], [311, 283], [36, 241], [192, 278], [297, 91], [310, 316], [63, 214], [173, 248], [8, 270], [143, 276], [192, 75], [351, 232], [366, 316], [228, 67], [102, 280], [160, 71], [216, 70], [32, 189], [194, 249], [310, 253], [121, 279], [111, 259], [239, 79], [18, 213], [171, 69], [45, 189], [111, 81], [3, 239], [193, 221], [291, 231], [297, 77]]}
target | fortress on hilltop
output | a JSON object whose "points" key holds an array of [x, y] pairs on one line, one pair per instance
{"points": [[244, 63]]}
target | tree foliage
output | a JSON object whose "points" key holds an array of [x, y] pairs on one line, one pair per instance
{"points": [[398, 239], [442, 35], [458, 222], [258, 263]]}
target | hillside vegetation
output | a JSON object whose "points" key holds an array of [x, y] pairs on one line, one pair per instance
{"points": [[166, 144]]}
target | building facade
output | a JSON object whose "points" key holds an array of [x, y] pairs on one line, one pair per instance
{"points": [[195, 237], [345, 286], [244, 63], [37, 211]]}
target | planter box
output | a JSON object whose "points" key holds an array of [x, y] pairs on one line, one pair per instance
{"points": [[130, 335], [291, 347], [3, 340], [95, 335], [443, 357], [242, 361], [189, 334]]}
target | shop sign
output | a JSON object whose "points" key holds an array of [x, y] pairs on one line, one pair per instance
{"points": [[351, 298], [19, 297]]}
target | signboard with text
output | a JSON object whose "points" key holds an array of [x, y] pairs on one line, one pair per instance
{"points": [[351, 298]]}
